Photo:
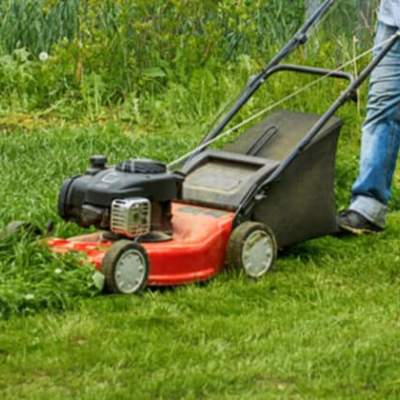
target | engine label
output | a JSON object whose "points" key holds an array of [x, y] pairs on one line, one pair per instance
{"points": [[110, 177]]}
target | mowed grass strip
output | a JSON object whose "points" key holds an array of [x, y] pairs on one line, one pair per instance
{"points": [[324, 324]]}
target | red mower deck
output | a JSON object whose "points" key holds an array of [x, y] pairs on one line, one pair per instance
{"points": [[195, 253]]}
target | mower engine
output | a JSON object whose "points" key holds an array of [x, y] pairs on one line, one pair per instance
{"points": [[130, 199]]}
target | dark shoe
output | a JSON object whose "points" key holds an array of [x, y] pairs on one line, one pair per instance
{"points": [[350, 221]]}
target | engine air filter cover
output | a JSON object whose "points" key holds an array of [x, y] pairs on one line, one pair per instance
{"points": [[131, 217]]}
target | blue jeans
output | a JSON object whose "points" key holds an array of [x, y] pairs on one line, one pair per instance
{"points": [[380, 137]]}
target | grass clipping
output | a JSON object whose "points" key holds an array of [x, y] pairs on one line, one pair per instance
{"points": [[33, 279]]}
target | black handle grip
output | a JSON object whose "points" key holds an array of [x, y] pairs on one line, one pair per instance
{"points": [[305, 69]]}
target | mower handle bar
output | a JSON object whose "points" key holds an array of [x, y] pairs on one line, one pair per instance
{"points": [[258, 190], [325, 73], [299, 39]]}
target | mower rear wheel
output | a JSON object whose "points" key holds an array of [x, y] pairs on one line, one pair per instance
{"points": [[125, 267], [252, 248]]}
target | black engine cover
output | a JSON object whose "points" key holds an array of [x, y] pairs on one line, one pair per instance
{"points": [[87, 199]]}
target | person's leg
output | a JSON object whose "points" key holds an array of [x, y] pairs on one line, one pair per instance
{"points": [[380, 138]]}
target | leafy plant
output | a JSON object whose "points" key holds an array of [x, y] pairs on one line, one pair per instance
{"points": [[31, 278]]}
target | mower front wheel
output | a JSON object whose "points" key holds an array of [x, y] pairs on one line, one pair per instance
{"points": [[125, 267], [252, 248]]}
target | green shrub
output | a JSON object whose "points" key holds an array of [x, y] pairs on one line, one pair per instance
{"points": [[102, 53]]}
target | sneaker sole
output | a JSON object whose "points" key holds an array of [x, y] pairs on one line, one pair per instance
{"points": [[358, 231]]}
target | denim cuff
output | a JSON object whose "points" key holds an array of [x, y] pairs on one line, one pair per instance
{"points": [[373, 210]]}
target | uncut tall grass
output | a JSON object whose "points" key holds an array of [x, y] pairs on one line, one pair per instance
{"points": [[104, 53]]}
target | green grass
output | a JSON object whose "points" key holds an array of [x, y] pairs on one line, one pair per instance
{"points": [[324, 324]]}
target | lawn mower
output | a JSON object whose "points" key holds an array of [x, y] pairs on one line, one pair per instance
{"points": [[271, 187]]}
